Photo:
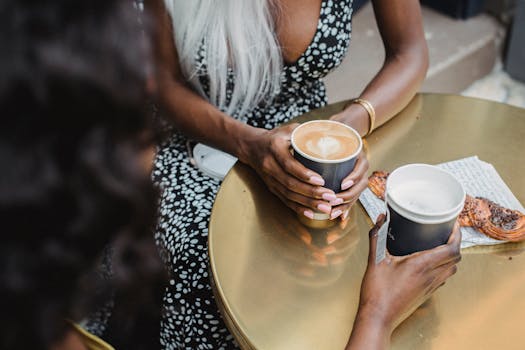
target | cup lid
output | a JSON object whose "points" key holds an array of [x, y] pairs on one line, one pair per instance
{"points": [[424, 193]]}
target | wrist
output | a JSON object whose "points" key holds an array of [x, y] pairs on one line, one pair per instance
{"points": [[370, 331], [373, 317], [246, 141], [356, 117]]}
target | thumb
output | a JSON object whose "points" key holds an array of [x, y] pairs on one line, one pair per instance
{"points": [[373, 234]]}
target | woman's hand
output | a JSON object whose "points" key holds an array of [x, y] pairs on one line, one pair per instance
{"points": [[397, 286], [351, 188], [297, 186], [300, 188], [355, 182]]}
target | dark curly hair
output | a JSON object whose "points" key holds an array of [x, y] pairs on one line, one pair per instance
{"points": [[72, 129]]}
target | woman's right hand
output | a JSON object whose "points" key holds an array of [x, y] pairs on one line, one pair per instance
{"points": [[398, 285], [300, 189]]}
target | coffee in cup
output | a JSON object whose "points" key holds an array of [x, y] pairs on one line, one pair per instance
{"points": [[424, 202], [326, 141], [330, 149]]}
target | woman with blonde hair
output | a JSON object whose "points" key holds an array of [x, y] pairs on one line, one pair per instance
{"points": [[229, 73]]}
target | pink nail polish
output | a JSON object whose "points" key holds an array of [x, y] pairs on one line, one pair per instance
{"points": [[329, 196], [345, 214], [309, 214], [335, 214], [316, 180], [347, 184], [324, 208], [336, 201]]}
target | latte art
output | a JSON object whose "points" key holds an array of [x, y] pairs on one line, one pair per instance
{"points": [[324, 147], [326, 141]]}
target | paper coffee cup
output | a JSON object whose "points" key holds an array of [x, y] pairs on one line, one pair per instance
{"points": [[330, 149], [424, 203]]}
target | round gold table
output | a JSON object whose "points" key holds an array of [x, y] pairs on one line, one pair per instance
{"points": [[282, 286]]}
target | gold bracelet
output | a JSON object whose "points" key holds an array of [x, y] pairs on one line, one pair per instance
{"points": [[369, 109]]}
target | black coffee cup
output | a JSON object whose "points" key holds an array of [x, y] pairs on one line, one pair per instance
{"points": [[424, 203], [333, 171]]}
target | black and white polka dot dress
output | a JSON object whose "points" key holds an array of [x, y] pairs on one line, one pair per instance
{"points": [[192, 320]]}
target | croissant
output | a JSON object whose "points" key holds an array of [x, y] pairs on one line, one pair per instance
{"points": [[493, 220], [480, 213], [377, 183]]}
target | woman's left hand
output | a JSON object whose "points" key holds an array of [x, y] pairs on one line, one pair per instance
{"points": [[351, 188]]}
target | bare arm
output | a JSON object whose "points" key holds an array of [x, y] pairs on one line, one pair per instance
{"points": [[266, 151], [189, 112], [404, 69]]}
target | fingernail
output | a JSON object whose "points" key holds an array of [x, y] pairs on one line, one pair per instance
{"points": [[336, 214], [309, 214], [345, 214], [316, 180], [336, 201], [324, 208], [329, 196], [347, 184]]}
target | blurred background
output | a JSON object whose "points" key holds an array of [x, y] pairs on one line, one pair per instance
{"points": [[477, 48]]}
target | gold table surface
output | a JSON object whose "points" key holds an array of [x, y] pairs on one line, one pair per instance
{"points": [[283, 286]]}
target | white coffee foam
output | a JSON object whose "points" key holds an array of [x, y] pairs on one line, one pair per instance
{"points": [[325, 146], [422, 196]]}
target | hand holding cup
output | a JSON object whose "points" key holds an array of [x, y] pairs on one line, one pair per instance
{"points": [[334, 151], [394, 288], [424, 202]]}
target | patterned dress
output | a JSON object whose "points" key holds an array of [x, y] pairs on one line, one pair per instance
{"points": [[192, 320]]}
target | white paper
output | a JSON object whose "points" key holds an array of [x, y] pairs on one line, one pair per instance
{"points": [[381, 238], [479, 179]]}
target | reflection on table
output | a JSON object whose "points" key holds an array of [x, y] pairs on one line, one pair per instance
{"points": [[281, 285]]}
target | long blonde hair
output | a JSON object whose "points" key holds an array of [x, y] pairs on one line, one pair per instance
{"points": [[235, 37]]}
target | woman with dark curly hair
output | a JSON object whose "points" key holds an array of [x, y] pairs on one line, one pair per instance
{"points": [[75, 153], [75, 158]]}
